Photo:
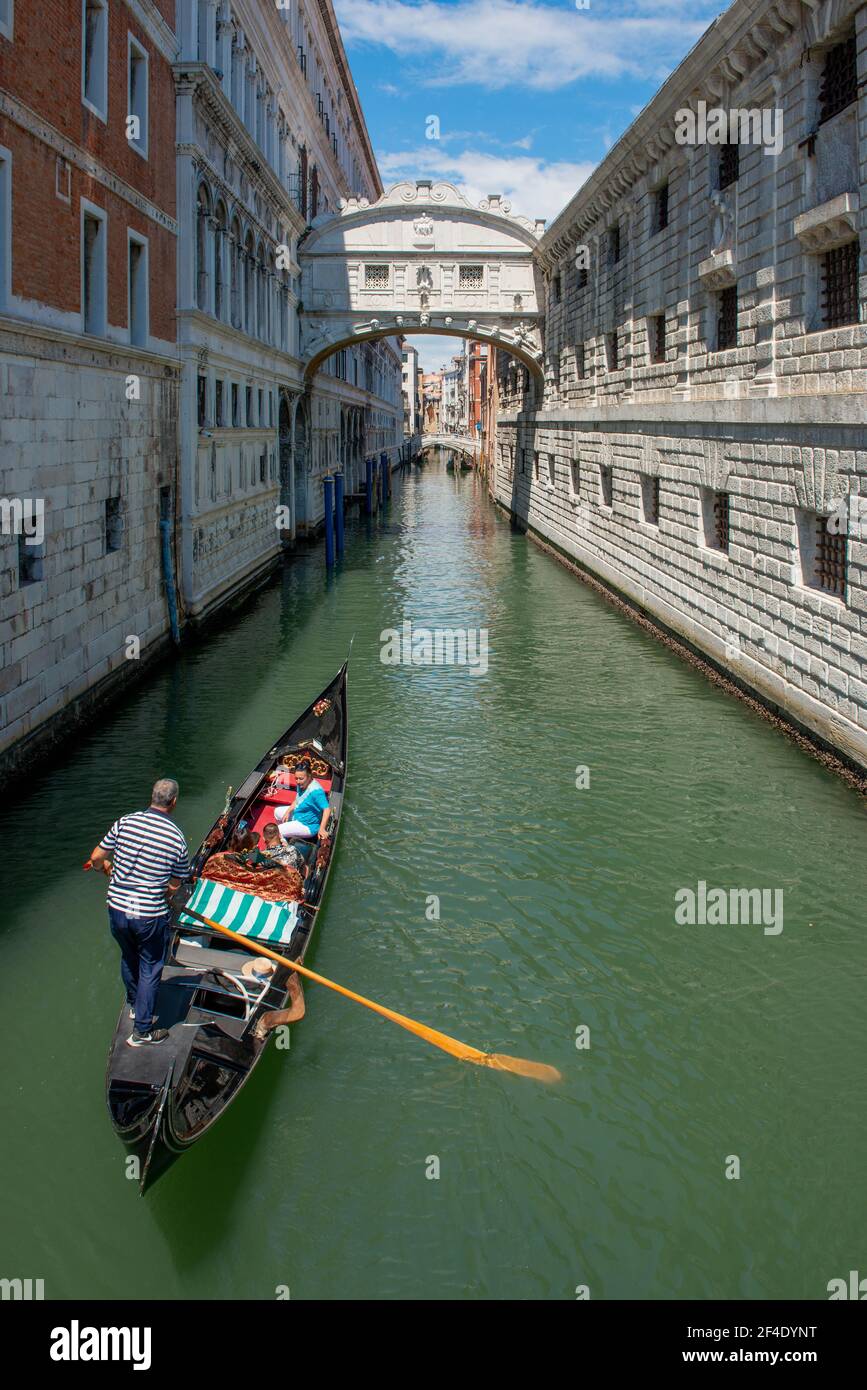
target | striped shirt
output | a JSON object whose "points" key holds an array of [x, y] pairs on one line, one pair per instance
{"points": [[146, 849]]}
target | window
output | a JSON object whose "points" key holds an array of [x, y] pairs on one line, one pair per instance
{"points": [[555, 288], [376, 277], [650, 500], [580, 362], [94, 56], [236, 420], [612, 351], [218, 402], [137, 96], [656, 336], [536, 464], [729, 164], [271, 406], [727, 318], [839, 86], [824, 554], [113, 525], [552, 471], [93, 268], [524, 459], [575, 478], [471, 277], [261, 415], [248, 407], [6, 17], [263, 464], [660, 209], [715, 517], [614, 244], [30, 558], [606, 485], [840, 285], [202, 401], [137, 289], [581, 280]]}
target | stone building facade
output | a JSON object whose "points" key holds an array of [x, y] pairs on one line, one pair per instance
{"points": [[89, 376], [270, 139], [698, 443]]}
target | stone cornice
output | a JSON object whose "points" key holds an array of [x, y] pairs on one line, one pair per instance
{"points": [[326, 11], [199, 79], [735, 46]]}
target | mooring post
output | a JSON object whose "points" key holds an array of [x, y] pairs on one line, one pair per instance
{"points": [[383, 459], [368, 486], [338, 511], [328, 491]]}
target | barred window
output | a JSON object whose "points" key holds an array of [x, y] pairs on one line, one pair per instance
{"points": [[650, 500], [555, 288], [552, 471], [606, 485], [219, 402], [831, 556], [471, 277], [613, 244], [729, 164], [727, 318], [575, 477], [840, 285], [657, 338], [580, 361], [612, 351], [536, 464], [582, 277], [660, 208], [715, 515], [202, 400], [113, 525], [376, 277], [839, 86]]}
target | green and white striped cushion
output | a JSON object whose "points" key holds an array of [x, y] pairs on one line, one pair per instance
{"points": [[242, 912]]}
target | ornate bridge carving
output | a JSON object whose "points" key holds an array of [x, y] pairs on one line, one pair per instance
{"points": [[421, 259]]}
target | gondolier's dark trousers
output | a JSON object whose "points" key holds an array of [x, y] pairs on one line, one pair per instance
{"points": [[142, 942]]}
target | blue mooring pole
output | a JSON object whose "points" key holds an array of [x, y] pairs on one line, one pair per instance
{"points": [[338, 511], [368, 486], [328, 490]]}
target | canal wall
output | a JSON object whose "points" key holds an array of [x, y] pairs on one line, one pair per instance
{"points": [[699, 445]]}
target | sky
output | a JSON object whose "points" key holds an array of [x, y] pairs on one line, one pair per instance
{"points": [[527, 95]]}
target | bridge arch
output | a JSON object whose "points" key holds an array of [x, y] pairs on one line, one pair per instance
{"points": [[421, 259], [457, 443]]}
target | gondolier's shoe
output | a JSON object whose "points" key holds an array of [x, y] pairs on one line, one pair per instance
{"points": [[153, 1035]]}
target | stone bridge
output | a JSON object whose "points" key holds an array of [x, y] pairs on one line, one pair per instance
{"points": [[421, 259], [458, 443]]}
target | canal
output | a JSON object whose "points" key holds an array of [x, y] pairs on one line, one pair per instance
{"points": [[556, 924]]}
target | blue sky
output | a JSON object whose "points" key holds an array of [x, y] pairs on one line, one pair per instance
{"points": [[529, 94]]}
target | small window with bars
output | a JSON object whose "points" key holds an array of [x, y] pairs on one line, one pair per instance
{"points": [[555, 288], [728, 168], [613, 244], [376, 277], [218, 403], [715, 514], [660, 208], [30, 560], [581, 273], [575, 479], [656, 326], [830, 559], [202, 400], [612, 351], [650, 500], [580, 361], [606, 484], [471, 277], [727, 318], [839, 87], [840, 285], [536, 464], [113, 525], [552, 471]]}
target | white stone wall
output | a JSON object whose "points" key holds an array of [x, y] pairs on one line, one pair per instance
{"points": [[776, 421], [72, 439]]}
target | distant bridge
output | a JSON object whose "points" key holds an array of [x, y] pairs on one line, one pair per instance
{"points": [[459, 443]]}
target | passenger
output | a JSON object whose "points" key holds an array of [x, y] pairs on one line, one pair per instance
{"points": [[308, 816], [242, 841], [276, 852]]}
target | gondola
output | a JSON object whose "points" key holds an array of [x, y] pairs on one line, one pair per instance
{"points": [[217, 1001]]}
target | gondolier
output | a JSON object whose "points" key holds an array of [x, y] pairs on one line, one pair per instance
{"points": [[145, 854]]}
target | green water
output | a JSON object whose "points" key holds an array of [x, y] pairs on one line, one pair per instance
{"points": [[556, 911]]}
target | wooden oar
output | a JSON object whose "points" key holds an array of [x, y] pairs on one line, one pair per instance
{"points": [[538, 1070]]}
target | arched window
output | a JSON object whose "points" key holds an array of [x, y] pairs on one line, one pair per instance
{"points": [[203, 231], [236, 270], [249, 286], [261, 316], [220, 250]]}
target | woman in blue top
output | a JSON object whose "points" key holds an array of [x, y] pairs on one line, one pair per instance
{"points": [[308, 816]]}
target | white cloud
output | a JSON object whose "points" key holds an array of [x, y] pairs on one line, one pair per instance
{"points": [[499, 43], [533, 187]]}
